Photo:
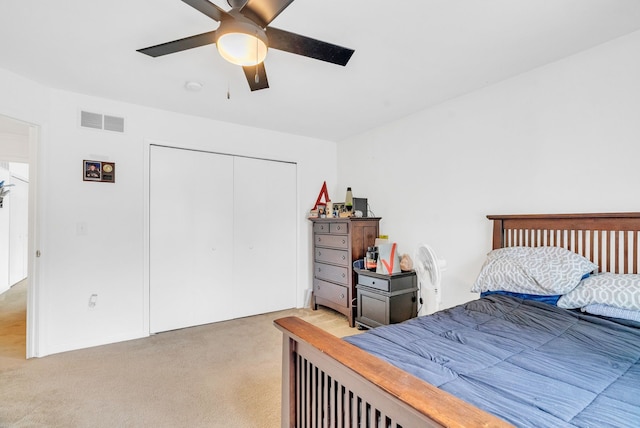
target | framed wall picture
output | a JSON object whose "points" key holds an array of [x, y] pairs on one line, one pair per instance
{"points": [[104, 172]]}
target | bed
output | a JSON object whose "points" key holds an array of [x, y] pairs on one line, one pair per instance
{"points": [[496, 361]]}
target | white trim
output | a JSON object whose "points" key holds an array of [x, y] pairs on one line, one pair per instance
{"points": [[33, 271], [146, 328]]}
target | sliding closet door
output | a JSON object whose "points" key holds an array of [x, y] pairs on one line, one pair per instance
{"points": [[191, 238], [265, 236]]}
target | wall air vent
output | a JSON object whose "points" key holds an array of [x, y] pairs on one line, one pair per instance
{"points": [[113, 123], [90, 120], [97, 121]]}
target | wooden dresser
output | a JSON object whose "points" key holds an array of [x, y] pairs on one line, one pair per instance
{"points": [[337, 242]]}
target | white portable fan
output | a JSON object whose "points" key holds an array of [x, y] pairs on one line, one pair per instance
{"points": [[429, 271]]}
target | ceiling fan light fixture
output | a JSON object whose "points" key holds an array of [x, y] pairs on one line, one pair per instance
{"points": [[241, 43]]}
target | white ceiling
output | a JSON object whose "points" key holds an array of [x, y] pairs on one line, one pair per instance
{"points": [[409, 55]]}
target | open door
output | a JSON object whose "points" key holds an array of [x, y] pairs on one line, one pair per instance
{"points": [[18, 144]]}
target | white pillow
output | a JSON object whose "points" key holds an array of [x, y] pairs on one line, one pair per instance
{"points": [[613, 289], [545, 271], [611, 311]]}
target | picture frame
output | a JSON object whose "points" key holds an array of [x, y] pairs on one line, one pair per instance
{"points": [[338, 207], [98, 171]]}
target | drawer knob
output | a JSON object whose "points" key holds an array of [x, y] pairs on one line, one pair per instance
{"points": [[338, 227], [344, 275], [344, 241], [342, 296]]}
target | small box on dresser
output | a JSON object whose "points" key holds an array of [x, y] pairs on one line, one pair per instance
{"points": [[337, 243]]}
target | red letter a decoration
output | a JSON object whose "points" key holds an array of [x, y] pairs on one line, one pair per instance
{"points": [[323, 192]]}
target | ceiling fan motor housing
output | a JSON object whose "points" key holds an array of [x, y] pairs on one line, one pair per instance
{"points": [[237, 4], [238, 23]]}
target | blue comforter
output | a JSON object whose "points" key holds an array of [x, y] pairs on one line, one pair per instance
{"points": [[529, 363]]}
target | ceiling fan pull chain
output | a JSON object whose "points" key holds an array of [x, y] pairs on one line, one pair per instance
{"points": [[257, 78]]}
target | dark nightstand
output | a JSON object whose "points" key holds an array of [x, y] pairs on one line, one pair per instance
{"points": [[385, 299]]}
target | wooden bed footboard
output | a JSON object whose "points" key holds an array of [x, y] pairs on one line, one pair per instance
{"points": [[327, 382]]}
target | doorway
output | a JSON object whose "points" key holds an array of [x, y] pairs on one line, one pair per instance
{"points": [[18, 143]]}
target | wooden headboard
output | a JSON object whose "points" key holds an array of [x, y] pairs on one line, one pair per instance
{"points": [[609, 240]]}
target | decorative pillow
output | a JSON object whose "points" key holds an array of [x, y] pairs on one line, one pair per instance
{"points": [[613, 289], [613, 312], [532, 270]]}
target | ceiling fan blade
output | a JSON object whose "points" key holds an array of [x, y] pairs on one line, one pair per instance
{"points": [[180, 45], [250, 73], [262, 12], [208, 8], [306, 46]]}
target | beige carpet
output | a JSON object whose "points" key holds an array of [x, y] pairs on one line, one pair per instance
{"points": [[219, 375]]}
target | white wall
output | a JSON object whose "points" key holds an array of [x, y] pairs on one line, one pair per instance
{"points": [[561, 138], [23, 99], [109, 259]]}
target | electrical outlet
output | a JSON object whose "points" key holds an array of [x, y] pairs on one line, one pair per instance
{"points": [[93, 299]]}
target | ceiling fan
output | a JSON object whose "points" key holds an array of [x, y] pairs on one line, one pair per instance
{"points": [[244, 36]]}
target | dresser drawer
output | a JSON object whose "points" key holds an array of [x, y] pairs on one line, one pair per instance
{"points": [[327, 255], [377, 283], [333, 292], [333, 241], [339, 228], [321, 227], [387, 283], [337, 274]]}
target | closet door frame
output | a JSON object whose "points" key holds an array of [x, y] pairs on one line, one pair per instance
{"points": [[146, 170]]}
